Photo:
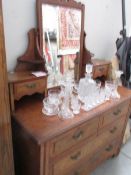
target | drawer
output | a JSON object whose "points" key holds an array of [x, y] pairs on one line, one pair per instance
{"points": [[115, 113], [28, 88], [79, 155], [74, 136], [101, 70], [97, 158]]}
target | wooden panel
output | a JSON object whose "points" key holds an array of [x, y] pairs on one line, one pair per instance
{"points": [[74, 136], [6, 157], [104, 153], [115, 113], [26, 151], [28, 88], [90, 147]]}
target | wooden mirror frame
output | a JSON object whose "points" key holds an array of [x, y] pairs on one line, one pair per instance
{"points": [[64, 3]]}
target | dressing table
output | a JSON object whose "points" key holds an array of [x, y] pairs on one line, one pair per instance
{"points": [[52, 146]]}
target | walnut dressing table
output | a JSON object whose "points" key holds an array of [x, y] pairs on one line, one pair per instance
{"points": [[51, 146]]}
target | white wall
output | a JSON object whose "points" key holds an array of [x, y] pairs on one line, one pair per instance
{"points": [[128, 17], [102, 25], [19, 18]]}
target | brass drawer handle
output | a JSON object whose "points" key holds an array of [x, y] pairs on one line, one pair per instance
{"points": [[117, 112], [76, 156], [113, 130], [78, 135], [109, 148], [31, 86]]}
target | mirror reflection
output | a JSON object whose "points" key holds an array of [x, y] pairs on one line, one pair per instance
{"points": [[61, 41]]}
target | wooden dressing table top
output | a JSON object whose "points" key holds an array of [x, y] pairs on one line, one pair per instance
{"points": [[29, 117], [15, 77]]}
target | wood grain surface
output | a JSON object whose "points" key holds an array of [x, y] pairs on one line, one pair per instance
{"points": [[41, 128], [6, 156]]}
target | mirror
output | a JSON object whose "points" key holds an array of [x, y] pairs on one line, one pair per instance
{"points": [[61, 27]]}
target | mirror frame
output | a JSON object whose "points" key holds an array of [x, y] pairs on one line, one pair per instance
{"points": [[64, 3]]}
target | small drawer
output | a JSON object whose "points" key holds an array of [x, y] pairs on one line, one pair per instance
{"points": [[74, 136], [113, 130], [28, 88], [101, 70], [115, 113], [68, 161]]}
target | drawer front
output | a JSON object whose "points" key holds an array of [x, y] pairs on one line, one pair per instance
{"points": [[74, 136], [97, 158], [101, 70], [75, 157], [28, 88], [114, 114]]}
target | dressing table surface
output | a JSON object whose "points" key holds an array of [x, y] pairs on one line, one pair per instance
{"points": [[43, 144], [41, 128], [16, 77]]}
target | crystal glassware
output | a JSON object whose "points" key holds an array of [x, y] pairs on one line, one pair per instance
{"points": [[75, 104], [65, 110], [89, 69], [53, 96], [50, 108], [111, 88]]}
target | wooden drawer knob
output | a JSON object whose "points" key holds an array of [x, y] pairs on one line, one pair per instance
{"points": [[76, 156], [78, 135]]}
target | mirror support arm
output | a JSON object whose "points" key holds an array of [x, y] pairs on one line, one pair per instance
{"points": [[32, 60]]}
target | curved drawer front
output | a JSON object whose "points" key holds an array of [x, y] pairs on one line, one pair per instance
{"points": [[88, 149], [114, 114], [74, 136], [28, 88]]}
